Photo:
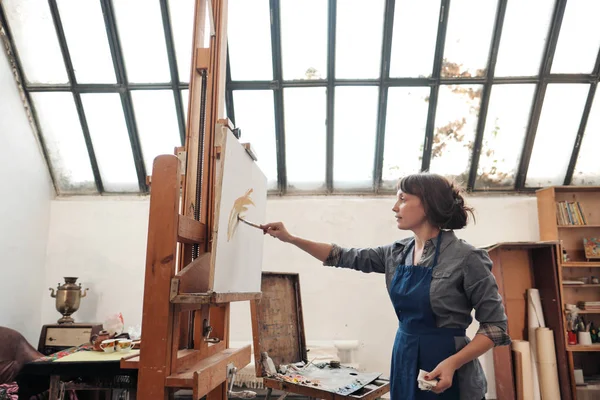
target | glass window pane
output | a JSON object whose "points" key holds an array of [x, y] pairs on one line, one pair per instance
{"points": [[250, 16], [207, 26], [504, 135], [354, 136], [556, 132], [520, 52], [87, 41], [156, 123], [185, 98], [182, 25], [35, 39], [404, 133], [414, 37], [587, 169], [106, 123], [455, 125], [63, 137], [255, 116], [140, 27], [468, 38], [305, 136], [350, 15], [579, 38], [304, 39]]}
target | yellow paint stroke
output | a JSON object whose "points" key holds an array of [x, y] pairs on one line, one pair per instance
{"points": [[240, 205]]}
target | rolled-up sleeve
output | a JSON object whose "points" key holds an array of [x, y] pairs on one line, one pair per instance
{"points": [[365, 260], [482, 290]]}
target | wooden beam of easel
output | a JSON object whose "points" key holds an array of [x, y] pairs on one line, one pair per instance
{"points": [[191, 231], [158, 315], [210, 61], [209, 374]]}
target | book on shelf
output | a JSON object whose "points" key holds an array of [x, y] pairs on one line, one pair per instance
{"points": [[570, 213], [588, 305]]}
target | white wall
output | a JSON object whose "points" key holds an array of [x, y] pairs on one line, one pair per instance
{"points": [[24, 213], [103, 241]]}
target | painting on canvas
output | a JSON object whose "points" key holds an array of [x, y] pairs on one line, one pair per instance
{"points": [[241, 189]]}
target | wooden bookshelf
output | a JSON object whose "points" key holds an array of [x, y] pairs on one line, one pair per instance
{"points": [[570, 238]]}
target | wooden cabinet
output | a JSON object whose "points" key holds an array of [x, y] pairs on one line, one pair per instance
{"points": [[568, 214], [519, 266]]}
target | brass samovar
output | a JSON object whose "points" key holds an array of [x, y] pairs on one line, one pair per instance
{"points": [[68, 296]]}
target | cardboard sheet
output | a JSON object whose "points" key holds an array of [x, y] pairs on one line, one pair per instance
{"points": [[547, 367], [535, 320]]}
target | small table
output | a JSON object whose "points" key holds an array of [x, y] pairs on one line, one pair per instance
{"points": [[81, 368]]}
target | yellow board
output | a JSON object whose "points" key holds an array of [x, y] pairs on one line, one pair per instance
{"points": [[96, 356]]}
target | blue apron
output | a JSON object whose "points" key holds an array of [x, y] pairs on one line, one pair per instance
{"points": [[419, 343]]}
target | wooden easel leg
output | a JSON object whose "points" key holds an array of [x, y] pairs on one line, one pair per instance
{"points": [[158, 312], [220, 393], [54, 387], [219, 321]]}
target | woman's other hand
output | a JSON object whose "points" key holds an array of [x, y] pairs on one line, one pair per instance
{"points": [[444, 372], [277, 230]]}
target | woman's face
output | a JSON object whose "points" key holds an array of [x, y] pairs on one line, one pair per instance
{"points": [[409, 211]]}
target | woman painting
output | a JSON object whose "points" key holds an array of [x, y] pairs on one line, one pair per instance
{"points": [[434, 281]]}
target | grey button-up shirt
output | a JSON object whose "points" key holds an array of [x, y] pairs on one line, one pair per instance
{"points": [[461, 281]]}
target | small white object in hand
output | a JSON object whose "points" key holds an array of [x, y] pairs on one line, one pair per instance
{"points": [[424, 384]]}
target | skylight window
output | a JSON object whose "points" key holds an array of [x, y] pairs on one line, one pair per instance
{"points": [[335, 96]]}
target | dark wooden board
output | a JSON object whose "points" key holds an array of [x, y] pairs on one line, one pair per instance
{"points": [[277, 324]]}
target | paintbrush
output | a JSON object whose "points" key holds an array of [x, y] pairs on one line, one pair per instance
{"points": [[250, 223]]}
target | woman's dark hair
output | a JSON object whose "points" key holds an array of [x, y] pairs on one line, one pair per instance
{"points": [[442, 199]]}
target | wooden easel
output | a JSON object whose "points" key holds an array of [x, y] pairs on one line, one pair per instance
{"points": [[185, 326]]}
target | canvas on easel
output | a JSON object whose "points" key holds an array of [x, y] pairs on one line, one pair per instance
{"points": [[241, 190]]}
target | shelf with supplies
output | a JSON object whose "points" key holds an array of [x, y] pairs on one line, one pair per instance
{"points": [[583, 285], [570, 215], [577, 226], [580, 264], [580, 347]]}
